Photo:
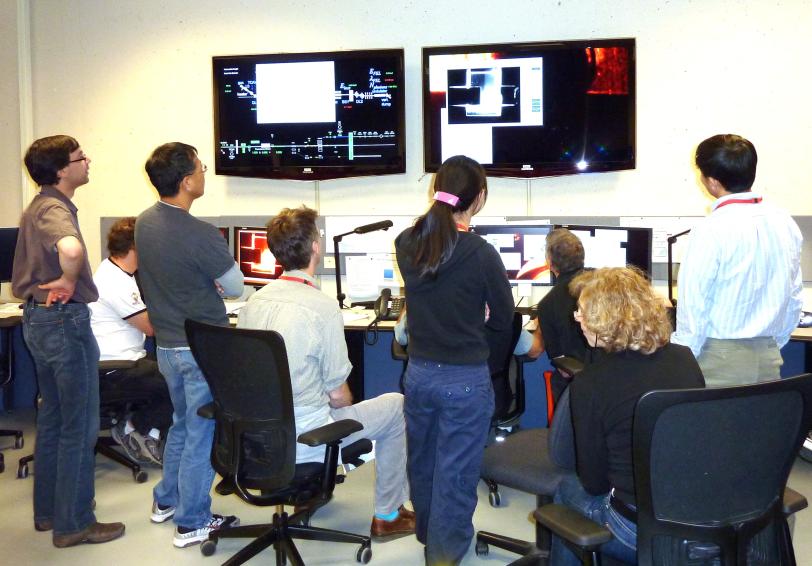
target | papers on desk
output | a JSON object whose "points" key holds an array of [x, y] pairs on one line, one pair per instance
{"points": [[233, 307], [8, 310], [351, 316]]}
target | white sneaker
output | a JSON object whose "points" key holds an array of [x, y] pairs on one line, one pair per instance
{"points": [[161, 514], [186, 537]]}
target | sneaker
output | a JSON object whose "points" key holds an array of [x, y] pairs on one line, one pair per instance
{"points": [[149, 448], [161, 513], [129, 443], [186, 537]]}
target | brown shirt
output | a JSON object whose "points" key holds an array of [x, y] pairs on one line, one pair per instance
{"points": [[50, 217]]}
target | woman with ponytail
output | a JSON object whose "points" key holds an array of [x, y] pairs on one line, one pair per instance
{"points": [[457, 292]]}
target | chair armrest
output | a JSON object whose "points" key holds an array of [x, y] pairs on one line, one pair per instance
{"points": [[351, 454], [330, 433], [399, 352], [572, 526], [793, 501], [206, 411], [567, 364], [109, 365]]}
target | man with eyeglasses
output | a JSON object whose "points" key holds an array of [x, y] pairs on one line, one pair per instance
{"points": [[185, 269], [52, 275]]}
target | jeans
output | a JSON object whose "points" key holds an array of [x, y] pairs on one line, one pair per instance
{"points": [[623, 545], [187, 471], [66, 358], [448, 412]]}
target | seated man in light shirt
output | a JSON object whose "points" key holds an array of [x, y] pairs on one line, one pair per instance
{"points": [[120, 322], [313, 329]]}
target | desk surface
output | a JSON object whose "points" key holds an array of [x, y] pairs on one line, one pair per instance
{"points": [[802, 334], [10, 314]]}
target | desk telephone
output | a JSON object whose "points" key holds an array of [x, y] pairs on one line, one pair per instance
{"points": [[388, 307]]}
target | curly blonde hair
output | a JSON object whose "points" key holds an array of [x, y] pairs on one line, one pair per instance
{"points": [[619, 305]]}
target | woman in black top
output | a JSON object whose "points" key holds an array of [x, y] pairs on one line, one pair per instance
{"points": [[456, 291], [618, 312]]}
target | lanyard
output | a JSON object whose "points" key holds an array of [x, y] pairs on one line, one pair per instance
{"points": [[754, 200], [462, 227], [296, 279]]}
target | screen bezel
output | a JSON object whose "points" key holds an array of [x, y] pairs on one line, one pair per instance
{"points": [[540, 168], [314, 172]]}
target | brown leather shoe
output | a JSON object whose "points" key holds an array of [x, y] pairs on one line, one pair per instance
{"points": [[95, 533], [44, 525], [383, 531]]}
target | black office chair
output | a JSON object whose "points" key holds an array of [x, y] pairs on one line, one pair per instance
{"points": [[710, 465], [534, 461], [255, 441], [111, 408], [507, 376], [6, 378]]}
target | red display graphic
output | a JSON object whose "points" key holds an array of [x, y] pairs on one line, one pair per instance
{"points": [[256, 261], [611, 70]]}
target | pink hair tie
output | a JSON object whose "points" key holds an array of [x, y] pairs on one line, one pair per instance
{"points": [[447, 198]]}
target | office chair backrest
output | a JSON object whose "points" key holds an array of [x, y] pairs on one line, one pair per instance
{"points": [[500, 363], [247, 372], [561, 438], [712, 464]]}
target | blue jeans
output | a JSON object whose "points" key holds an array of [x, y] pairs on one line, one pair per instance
{"points": [[66, 358], [448, 412], [187, 471], [623, 546]]}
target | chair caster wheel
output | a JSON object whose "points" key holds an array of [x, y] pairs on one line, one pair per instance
{"points": [[2, 466], [22, 472], [207, 547], [19, 442], [481, 548], [140, 476], [494, 498], [364, 554]]}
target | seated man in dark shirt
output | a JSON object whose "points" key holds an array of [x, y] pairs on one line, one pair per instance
{"points": [[560, 334]]}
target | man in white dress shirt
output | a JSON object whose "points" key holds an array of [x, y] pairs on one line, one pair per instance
{"points": [[740, 283]]}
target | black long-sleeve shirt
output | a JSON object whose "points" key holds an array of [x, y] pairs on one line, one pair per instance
{"points": [[447, 313], [603, 398]]}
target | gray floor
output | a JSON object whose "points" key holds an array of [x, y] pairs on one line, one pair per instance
{"points": [[120, 499]]}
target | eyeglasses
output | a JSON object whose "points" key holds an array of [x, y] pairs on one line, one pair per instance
{"points": [[83, 158], [203, 169]]}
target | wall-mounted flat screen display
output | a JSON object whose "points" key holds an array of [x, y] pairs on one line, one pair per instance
{"points": [[310, 115], [531, 109]]}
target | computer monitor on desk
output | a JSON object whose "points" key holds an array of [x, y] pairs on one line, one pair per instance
{"points": [[368, 274], [257, 263], [614, 246], [522, 249], [8, 242]]}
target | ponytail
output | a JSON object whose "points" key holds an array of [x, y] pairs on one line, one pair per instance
{"points": [[457, 184]]}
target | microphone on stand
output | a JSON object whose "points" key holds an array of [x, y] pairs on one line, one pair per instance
{"points": [[382, 225]]}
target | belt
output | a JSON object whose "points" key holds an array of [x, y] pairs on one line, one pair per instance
{"points": [[33, 302], [625, 511]]}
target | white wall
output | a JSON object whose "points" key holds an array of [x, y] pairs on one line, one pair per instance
{"points": [[125, 76], [10, 153]]}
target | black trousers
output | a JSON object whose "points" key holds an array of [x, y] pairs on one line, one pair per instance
{"points": [[145, 384]]}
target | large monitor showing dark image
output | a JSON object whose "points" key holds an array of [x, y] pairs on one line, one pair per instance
{"points": [[310, 115], [531, 109]]}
